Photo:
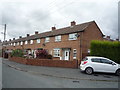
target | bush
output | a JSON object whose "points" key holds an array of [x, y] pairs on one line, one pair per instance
{"points": [[106, 49], [17, 53], [42, 53], [49, 56]]}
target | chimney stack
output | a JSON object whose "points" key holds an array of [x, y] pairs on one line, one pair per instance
{"points": [[117, 39], [9, 39], [20, 36], [36, 32], [53, 28], [13, 38], [73, 23], [28, 35], [108, 37]]}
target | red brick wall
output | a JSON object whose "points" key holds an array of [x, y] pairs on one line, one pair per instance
{"points": [[18, 60], [90, 33], [46, 62]]}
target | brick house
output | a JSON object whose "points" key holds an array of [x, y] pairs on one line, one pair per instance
{"points": [[72, 42]]}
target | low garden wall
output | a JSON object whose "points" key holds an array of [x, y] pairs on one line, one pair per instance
{"points": [[46, 62]]}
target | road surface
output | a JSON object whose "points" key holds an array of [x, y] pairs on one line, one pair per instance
{"points": [[13, 78]]}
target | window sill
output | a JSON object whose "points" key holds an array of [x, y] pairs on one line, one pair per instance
{"points": [[57, 56], [74, 58], [72, 39], [57, 41]]}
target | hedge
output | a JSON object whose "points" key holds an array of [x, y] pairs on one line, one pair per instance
{"points": [[106, 49]]}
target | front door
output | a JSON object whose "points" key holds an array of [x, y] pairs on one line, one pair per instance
{"points": [[67, 54]]}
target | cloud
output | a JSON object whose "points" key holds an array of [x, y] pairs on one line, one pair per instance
{"points": [[24, 17]]}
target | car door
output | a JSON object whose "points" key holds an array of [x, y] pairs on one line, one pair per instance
{"points": [[96, 64], [108, 66]]}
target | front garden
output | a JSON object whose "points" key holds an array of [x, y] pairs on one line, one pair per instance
{"points": [[42, 59], [39, 53]]}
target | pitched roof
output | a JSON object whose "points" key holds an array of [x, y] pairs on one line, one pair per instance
{"points": [[61, 31]]}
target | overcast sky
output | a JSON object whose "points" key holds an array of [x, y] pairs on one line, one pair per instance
{"points": [[27, 16]]}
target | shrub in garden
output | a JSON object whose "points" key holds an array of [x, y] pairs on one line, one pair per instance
{"points": [[106, 49], [49, 56], [17, 53], [42, 53]]}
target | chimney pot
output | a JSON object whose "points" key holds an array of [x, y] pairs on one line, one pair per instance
{"points": [[73, 23], [53, 28], [13, 38], [28, 35], [36, 32], [9, 39], [117, 39], [20, 36], [108, 37]]}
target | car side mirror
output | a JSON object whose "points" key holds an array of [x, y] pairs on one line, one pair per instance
{"points": [[113, 64]]}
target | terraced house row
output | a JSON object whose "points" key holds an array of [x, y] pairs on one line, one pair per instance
{"points": [[72, 42]]}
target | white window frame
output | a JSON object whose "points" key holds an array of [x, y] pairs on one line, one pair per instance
{"points": [[72, 36], [38, 40], [26, 42], [11, 44], [74, 53], [47, 39], [31, 41], [21, 43], [56, 52], [17, 43], [14, 44], [58, 38]]}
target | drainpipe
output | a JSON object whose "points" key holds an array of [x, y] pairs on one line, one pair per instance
{"points": [[81, 46]]}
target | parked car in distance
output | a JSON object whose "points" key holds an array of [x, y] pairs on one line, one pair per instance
{"points": [[92, 64]]}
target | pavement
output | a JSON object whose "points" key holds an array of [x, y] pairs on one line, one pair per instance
{"points": [[66, 73]]}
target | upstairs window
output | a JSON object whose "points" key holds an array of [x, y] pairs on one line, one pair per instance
{"points": [[72, 36], [47, 39], [38, 40], [26, 42], [17, 43], [21, 43], [13, 44], [31, 41], [57, 38]]}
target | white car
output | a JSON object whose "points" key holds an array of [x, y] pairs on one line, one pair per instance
{"points": [[92, 64]]}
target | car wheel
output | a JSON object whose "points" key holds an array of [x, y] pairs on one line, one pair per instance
{"points": [[118, 72], [89, 70]]}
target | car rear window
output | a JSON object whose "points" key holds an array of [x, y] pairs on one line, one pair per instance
{"points": [[85, 59], [96, 60]]}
